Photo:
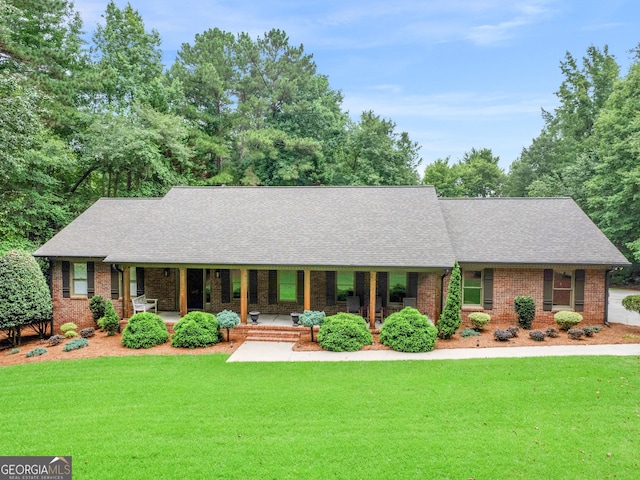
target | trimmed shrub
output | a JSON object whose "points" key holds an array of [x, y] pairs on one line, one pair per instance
{"points": [[311, 318], [631, 303], [479, 320], [344, 332], [408, 331], [24, 295], [70, 334], [13, 351], [450, 319], [55, 340], [567, 320], [110, 323], [525, 307], [97, 306], [68, 327], [228, 319], [588, 332], [596, 328], [469, 332], [87, 332], [196, 329], [36, 352], [552, 332], [75, 344], [575, 333], [513, 330], [502, 335], [537, 335], [144, 330]]}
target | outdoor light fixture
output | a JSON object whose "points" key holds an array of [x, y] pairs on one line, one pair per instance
{"points": [[217, 273], [166, 272]]}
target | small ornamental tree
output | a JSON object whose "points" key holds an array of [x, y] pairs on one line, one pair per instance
{"points": [[311, 318], [450, 319], [228, 319], [525, 307], [110, 322], [24, 295]]}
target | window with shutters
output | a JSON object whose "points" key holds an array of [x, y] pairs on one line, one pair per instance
{"points": [[133, 282], [287, 286], [472, 287], [562, 289], [79, 279], [397, 287], [345, 285]]}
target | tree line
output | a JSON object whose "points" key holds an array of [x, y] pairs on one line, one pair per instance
{"points": [[80, 120]]}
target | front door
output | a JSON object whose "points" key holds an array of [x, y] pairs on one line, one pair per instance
{"points": [[195, 289]]}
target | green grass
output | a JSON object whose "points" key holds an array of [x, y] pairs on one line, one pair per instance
{"points": [[197, 417]]}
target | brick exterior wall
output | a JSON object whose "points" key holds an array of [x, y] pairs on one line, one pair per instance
{"points": [[508, 283]]}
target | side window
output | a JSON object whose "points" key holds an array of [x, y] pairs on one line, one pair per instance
{"points": [[80, 279], [133, 283], [345, 285], [562, 289], [287, 285], [235, 284], [472, 287], [397, 287]]}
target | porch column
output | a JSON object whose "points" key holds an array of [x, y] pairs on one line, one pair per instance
{"points": [[372, 299], [307, 289], [244, 289], [183, 291], [126, 293]]}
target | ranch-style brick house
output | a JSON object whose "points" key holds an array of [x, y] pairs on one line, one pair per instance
{"points": [[279, 250]]}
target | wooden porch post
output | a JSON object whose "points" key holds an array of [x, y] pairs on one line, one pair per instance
{"points": [[372, 300], [183, 291], [244, 289], [307, 289], [126, 293]]}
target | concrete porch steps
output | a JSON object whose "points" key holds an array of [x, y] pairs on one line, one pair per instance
{"points": [[272, 335]]}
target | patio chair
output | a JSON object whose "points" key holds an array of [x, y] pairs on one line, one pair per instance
{"points": [[379, 310], [410, 302], [353, 305]]}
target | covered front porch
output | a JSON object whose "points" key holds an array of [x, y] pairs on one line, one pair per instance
{"points": [[171, 317]]}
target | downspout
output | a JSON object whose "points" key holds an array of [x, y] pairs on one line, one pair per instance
{"points": [[442, 277], [607, 280]]}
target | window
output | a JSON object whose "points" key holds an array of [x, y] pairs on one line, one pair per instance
{"points": [[397, 287], [133, 282], [235, 284], [287, 282], [80, 282], [472, 287], [345, 286], [562, 289]]}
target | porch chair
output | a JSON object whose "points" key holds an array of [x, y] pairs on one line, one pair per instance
{"points": [[379, 310], [410, 302], [353, 305]]}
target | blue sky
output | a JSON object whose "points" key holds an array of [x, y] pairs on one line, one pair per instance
{"points": [[454, 74]]}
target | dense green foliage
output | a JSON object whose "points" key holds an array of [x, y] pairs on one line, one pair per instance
{"points": [[479, 320], [567, 320], [227, 319], [408, 331], [311, 318], [631, 303], [97, 305], [24, 294], [144, 330], [110, 322], [501, 441], [450, 319], [525, 307], [196, 329], [344, 332]]}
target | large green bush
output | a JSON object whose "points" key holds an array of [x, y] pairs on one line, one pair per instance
{"points": [[228, 319], [196, 329], [24, 295], [567, 320], [525, 307], [450, 319], [344, 332], [144, 330], [408, 331], [311, 318]]}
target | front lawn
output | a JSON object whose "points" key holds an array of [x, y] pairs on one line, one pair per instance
{"points": [[197, 417]]}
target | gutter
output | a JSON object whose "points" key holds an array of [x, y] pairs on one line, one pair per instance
{"points": [[607, 281]]}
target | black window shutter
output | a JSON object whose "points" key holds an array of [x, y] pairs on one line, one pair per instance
{"points": [[547, 303], [273, 287], [115, 283], [360, 288], [91, 289], [225, 286], [579, 291], [412, 285], [382, 286], [330, 289], [488, 289], [253, 286], [300, 288], [140, 281], [66, 279]]}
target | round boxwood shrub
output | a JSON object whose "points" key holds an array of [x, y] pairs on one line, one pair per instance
{"points": [[144, 330], [525, 307], [196, 329], [479, 320], [408, 331], [344, 332], [567, 320]]}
